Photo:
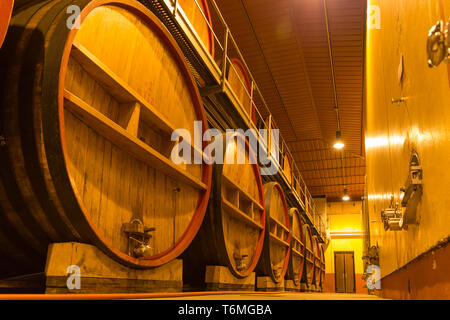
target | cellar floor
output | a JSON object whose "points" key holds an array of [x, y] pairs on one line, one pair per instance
{"points": [[277, 296]]}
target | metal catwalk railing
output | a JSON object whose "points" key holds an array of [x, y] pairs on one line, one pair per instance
{"points": [[212, 77]]}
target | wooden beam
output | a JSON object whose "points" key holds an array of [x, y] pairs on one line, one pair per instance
{"points": [[242, 192], [126, 141], [278, 240], [118, 88], [280, 224], [238, 214]]}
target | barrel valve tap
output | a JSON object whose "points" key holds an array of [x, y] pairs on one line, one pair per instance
{"points": [[138, 238], [277, 272]]}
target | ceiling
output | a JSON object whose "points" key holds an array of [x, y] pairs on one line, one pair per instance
{"points": [[285, 45]]}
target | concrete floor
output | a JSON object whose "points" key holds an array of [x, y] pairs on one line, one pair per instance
{"points": [[277, 296]]}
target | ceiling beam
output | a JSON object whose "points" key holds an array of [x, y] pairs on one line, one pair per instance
{"points": [[294, 8], [268, 67]]}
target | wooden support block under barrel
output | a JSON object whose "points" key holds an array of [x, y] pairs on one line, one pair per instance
{"points": [[100, 274], [267, 284], [219, 278]]}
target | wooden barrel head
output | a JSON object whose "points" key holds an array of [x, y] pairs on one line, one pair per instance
{"points": [[97, 167], [317, 261], [6, 7], [240, 84], [275, 257], [198, 14], [242, 206], [296, 261], [143, 92], [287, 167], [308, 270], [322, 273]]}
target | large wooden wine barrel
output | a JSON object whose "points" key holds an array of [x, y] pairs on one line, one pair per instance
{"points": [[240, 84], [87, 116], [198, 14], [317, 262], [322, 264], [274, 259], [297, 257], [287, 167], [6, 7], [232, 233], [308, 269]]}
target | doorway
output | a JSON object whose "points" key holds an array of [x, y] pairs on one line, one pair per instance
{"points": [[344, 270]]}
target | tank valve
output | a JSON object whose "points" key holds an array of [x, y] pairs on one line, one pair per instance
{"points": [[393, 218], [438, 44]]}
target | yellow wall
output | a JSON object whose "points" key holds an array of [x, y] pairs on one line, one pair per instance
{"points": [[392, 131], [344, 217]]}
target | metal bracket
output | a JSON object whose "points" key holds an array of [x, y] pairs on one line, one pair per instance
{"points": [[209, 91], [398, 218], [438, 44], [413, 190]]}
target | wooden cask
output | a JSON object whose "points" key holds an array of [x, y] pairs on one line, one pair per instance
{"points": [[232, 233], [297, 257], [288, 168], [240, 84], [322, 264], [317, 261], [308, 269], [87, 116], [6, 7], [274, 259], [198, 14]]}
